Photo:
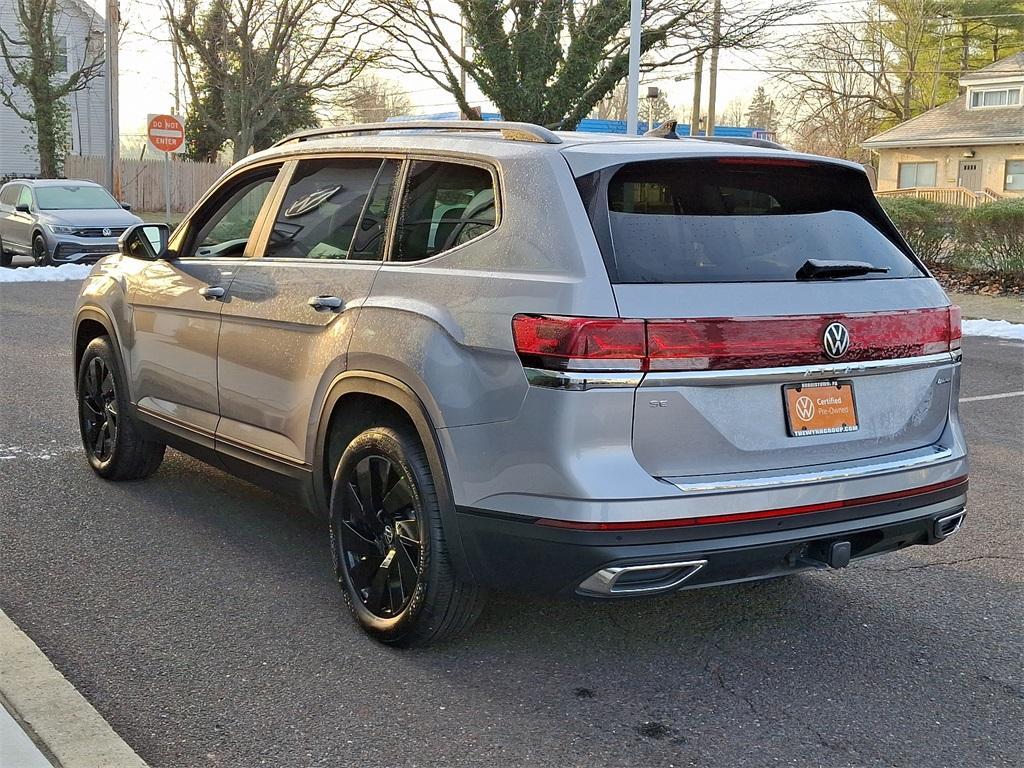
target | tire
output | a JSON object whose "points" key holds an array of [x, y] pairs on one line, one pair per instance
{"points": [[5, 257], [111, 436], [400, 586], [40, 253]]}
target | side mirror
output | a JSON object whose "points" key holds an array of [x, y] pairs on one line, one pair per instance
{"points": [[144, 241], [126, 206], [22, 208]]}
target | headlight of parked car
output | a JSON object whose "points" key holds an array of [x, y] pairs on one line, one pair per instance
{"points": [[59, 229]]}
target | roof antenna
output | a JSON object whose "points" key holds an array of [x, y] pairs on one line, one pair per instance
{"points": [[666, 130]]}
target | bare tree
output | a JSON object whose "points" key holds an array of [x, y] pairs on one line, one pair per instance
{"points": [[552, 61], [43, 64], [372, 99], [734, 112], [259, 56]]}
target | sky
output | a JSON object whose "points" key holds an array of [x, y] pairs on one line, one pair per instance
{"points": [[147, 79]]}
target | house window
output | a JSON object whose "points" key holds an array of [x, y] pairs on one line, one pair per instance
{"points": [[1014, 181], [60, 55], [998, 97], [917, 175]]}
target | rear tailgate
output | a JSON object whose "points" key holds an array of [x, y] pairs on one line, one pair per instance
{"points": [[707, 252]]}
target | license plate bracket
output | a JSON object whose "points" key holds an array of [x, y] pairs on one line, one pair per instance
{"points": [[820, 408]]}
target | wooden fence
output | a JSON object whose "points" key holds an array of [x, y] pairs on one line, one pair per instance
{"points": [[142, 181], [950, 195]]}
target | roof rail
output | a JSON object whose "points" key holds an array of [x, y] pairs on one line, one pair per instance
{"points": [[509, 130]]}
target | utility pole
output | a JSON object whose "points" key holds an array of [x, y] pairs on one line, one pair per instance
{"points": [[633, 81], [462, 66], [716, 34], [113, 122], [698, 76]]}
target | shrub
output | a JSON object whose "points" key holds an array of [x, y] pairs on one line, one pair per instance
{"points": [[991, 237], [928, 226]]}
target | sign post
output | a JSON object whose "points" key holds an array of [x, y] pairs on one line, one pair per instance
{"points": [[166, 133]]}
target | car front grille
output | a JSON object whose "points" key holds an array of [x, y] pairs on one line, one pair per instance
{"points": [[99, 231], [64, 250]]}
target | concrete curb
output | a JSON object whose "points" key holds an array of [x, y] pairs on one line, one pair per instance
{"points": [[62, 723]]}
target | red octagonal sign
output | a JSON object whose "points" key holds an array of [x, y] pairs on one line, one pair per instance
{"points": [[166, 133]]}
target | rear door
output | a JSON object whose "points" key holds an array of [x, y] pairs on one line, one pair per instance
{"points": [[290, 313], [757, 361]]}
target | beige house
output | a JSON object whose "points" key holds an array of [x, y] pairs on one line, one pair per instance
{"points": [[971, 148]]}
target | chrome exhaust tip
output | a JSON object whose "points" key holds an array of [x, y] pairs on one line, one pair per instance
{"points": [[948, 525], [640, 579]]}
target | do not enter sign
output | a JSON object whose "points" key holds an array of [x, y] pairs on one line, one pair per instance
{"points": [[166, 133]]}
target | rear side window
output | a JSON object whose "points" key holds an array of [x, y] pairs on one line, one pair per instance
{"points": [[444, 205], [737, 220], [334, 209]]}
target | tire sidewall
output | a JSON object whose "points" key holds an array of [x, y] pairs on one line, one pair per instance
{"points": [[387, 442], [101, 348]]}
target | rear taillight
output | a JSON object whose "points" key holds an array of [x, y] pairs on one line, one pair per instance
{"points": [[577, 343], [955, 329]]}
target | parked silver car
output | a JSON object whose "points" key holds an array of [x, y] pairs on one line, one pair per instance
{"points": [[59, 221], [496, 357]]}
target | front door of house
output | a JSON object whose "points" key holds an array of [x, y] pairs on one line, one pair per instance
{"points": [[970, 175]]}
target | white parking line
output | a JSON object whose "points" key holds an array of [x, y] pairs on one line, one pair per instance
{"points": [[1000, 396]]}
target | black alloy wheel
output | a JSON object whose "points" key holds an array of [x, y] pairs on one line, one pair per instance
{"points": [[40, 254], [98, 410], [378, 537]]}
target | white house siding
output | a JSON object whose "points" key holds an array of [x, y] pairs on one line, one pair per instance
{"points": [[87, 107]]}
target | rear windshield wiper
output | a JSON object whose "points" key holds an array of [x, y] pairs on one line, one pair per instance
{"points": [[818, 269]]}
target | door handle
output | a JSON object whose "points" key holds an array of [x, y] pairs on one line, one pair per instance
{"points": [[325, 303], [211, 292]]}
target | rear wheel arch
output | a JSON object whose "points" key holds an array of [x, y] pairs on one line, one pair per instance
{"points": [[358, 400]]}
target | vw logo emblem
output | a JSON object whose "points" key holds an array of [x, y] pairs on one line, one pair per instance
{"points": [[836, 340], [106, 231], [805, 408], [389, 535]]}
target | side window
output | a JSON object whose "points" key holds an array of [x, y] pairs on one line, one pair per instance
{"points": [[334, 208], [9, 193], [224, 228], [444, 205], [26, 196]]}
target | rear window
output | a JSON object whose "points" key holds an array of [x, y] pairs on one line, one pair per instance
{"points": [[735, 220]]}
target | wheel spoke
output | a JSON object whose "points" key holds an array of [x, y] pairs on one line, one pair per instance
{"points": [[356, 541], [97, 442], [396, 583], [353, 497], [90, 403], [364, 480], [398, 498], [408, 569], [378, 587], [408, 532]]}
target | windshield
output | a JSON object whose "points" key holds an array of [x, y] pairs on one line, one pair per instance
{"points": [[71, 197], [737, 220]]}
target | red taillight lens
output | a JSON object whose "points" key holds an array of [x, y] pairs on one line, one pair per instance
{"points": [[579, 342], [955, 327]]}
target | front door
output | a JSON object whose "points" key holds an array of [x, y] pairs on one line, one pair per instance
{"points": [[970, 175], [18, 229], [290, 314], [177, 304]]}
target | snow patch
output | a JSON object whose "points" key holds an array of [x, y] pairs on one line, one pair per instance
{"points": [[45, 274], [1000, 329]]}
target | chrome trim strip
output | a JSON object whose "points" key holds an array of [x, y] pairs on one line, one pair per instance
{"points": [[579, 381], [796, 372], [939, 455]]}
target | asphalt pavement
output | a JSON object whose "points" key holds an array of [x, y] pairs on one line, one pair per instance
{"points": [[199, 615]]}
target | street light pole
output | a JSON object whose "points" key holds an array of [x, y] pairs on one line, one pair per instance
{"points": [[716, 42], [633, 81], [113, 123]]}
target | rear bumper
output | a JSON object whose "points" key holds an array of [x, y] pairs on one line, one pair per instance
{"points": [[516, 554]]}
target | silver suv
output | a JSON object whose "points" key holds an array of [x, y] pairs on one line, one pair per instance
{"points": [[496, 357], [59, 221]]}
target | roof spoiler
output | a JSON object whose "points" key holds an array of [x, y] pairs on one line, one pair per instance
{"points": [[667, 130], [509, 130]]}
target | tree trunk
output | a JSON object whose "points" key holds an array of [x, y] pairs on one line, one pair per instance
{"points": [[47, 140]]}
